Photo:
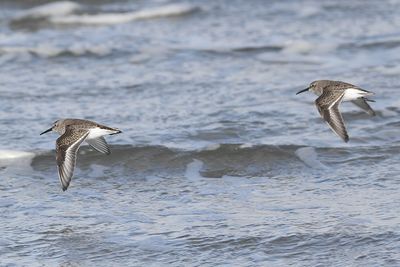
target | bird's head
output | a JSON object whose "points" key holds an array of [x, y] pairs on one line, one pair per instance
{"points": [[316, 87], [57, 127]]}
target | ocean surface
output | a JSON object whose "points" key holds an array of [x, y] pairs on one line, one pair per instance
{"points": [[219, 162]]}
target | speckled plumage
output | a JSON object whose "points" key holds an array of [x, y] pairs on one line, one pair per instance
{"points": [[73, 132], [331, 94], [60, 125], [67, 146]]}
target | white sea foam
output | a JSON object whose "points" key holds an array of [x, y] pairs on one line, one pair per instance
{"points": [[14, 158], [309, 156], [116, 18], [305, 47], [309, 11], [303, 10], [192, 172], [48, 50], [212, 147], [246, 145], [60, 8], [42, 50]]}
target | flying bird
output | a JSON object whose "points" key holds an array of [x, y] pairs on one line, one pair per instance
{"points": [[331, 94], [73, 132]]}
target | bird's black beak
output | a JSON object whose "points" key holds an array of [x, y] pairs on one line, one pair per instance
{"points": [[48, 130], [302, 91]]}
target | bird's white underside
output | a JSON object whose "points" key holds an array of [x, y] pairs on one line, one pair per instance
{"points": [[98, 132], [353, 94]]}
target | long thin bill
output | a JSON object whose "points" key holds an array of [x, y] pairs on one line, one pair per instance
{"points": [[48, 130], [302, 91]]}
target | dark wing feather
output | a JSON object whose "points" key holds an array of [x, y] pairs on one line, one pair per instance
{"points": [[67, 146], [362, 103], [328, 107], [99, 144]]}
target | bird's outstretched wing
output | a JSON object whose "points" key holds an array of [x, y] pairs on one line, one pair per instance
{"points": [[362, 103], [99, 144], [328, 107], [67, 146]]}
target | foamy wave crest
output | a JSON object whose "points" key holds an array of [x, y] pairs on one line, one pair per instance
{"points": [[193, 169], [15, 159], [54, 9], [305, 47], [116, 18], [309, 156], [226, 160], [47, 51]]}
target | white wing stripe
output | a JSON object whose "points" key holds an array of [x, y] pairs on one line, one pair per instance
{"points": [[66, 168]]}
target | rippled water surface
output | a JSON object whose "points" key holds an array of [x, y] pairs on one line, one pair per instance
{"points": [[219, 163]]}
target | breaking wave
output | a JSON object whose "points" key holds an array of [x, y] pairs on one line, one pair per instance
{"points": [[226, 160], [66, 12]]}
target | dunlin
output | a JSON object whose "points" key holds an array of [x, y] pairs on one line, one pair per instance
{"points": [[73, 132], [331, 94]]}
